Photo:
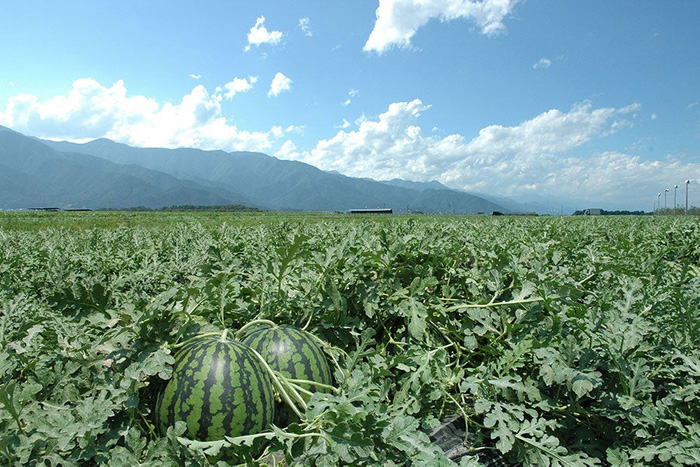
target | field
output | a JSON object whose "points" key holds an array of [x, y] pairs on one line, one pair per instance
{"points": [[556, 341]]}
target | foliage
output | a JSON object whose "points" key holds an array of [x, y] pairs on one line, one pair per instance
{"points": [[561, 341]]}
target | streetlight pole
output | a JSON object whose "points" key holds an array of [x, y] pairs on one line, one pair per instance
{"points": [[675, 188]]}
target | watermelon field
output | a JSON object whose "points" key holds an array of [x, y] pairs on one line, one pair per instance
{"points": [[546, 341]]}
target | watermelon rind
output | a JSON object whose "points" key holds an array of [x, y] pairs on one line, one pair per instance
{"points": [[293, 353], [218, 388]]}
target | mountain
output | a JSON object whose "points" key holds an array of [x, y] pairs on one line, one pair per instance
{"points": [[281, 184], [420, 186], [33, 174]]}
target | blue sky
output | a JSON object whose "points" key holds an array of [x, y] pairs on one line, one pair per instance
{"points": [[598, 100]]}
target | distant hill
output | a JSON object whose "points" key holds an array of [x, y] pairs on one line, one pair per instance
{"points": [[420, 186], [33, 174], [279, 184]]}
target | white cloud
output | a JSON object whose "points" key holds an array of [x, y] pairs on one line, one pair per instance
{"points": [[91, 110], [238, 85], [193, 76], [542, 63], [287, 150], [654, 116], [352, 93], [398, 20], [345, 124], [305, 25], [533, 155], [280, 83], [260, 35], [633, 107]]}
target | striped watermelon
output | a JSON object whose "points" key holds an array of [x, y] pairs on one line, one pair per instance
{"points": [[219, 388], [292, 352]]}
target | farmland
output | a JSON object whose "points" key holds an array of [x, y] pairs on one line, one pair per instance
{"points": [[556, 341]]}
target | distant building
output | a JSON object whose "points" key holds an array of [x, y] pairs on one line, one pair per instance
{"points": [[371, 211], [592, 212]]}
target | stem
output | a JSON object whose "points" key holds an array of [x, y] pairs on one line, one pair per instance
{"points": [[238, 439], [151, 429], [298, 388], [264, 434], [488, 305], [464, 414], [541, 448], [241, 332], [325, 344], [54, 407], [8, 456], [337, 365], [310, 435], [587, 279], [314, 383], [308, 321], [192, 339], [278, 385], [292, 388]]}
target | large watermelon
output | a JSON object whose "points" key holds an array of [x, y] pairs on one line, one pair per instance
{"points": [[219, 388], [292, 352]]}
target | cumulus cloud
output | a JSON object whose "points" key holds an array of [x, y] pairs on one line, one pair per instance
{"points": [[194, 76], [90, 110], [542, 63], [237, 86], [280, 83], [260, 35], [398, 20], [509, 160], [305, 25], [287, 150]]}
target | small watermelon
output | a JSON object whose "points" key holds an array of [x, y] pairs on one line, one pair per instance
{"points": [[294, 354], [219, 388]]}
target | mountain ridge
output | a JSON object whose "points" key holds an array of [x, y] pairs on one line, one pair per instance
{"points": [[281, 184], [106, 174]]}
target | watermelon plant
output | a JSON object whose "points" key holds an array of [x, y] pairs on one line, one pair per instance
{"points": [[218, 388], [554, 341]]}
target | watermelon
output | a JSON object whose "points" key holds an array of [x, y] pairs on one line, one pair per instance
{"points": [[293, 353], [218, 388]]}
